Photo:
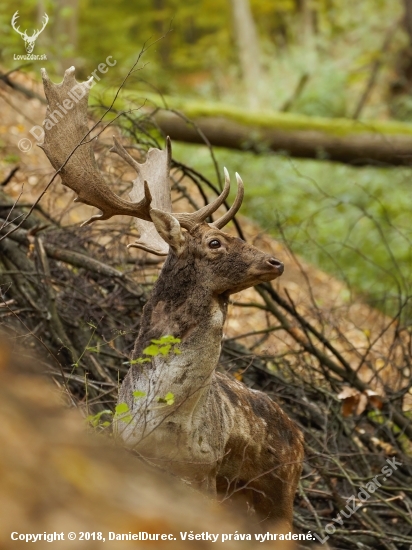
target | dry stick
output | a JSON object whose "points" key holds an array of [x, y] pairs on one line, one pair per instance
{"points": [[263, 291], [55, 323], [188, 171], [307, 326], [184, 193], [375, 69], [377, 338], [19, 87], [14, 260], [75, 259], [6, 222], [16, 257], [350, 376], [313, 511], [254, 332], [199, 131], [8, 203], [9, 177]]}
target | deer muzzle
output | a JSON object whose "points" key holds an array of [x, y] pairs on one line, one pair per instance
{"points": [[277, 265]]}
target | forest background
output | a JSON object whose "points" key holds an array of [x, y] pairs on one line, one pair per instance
{"points": [[341, 70], [313, 58]]}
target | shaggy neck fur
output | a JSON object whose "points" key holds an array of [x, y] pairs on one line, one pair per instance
{"points": [[181, 307]]}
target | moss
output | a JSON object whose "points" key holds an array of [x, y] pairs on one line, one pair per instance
{"points": [[338, 127]]}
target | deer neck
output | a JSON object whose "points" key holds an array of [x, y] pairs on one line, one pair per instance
{"points": [[182, 307]]}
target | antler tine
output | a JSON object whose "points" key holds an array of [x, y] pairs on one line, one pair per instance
{"points": [[222, 221], [68, 146], [189, 220]]}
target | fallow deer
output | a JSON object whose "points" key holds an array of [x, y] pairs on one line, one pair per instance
{"points": [[215, 433]]}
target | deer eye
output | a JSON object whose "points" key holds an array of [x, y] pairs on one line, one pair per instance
{"points": [[214, 244]]}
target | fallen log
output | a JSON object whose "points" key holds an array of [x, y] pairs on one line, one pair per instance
{"points": [[357, 149], [357, 142]]}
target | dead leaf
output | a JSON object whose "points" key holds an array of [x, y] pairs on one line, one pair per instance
{"points": [[363, 401], [348, 392], [374, 399], [355, 402]]}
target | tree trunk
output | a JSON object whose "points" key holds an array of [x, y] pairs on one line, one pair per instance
{"points": [[248, 49], [306, 21], [163, 46], [65, 29], [402, 83], [44, 38]]}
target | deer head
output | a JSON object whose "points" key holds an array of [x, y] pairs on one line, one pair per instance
{"points": [[211, 260], [29, 41]]}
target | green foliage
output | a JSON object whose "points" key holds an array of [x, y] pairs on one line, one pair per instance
{"points": [[352, 222], [163, 346], [199, 57], [168, 399], [96, 419], [139, 394], [11, 159], [122, 413]]}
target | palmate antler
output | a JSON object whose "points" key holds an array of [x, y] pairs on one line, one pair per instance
{"points": [[67, 138], [68, 146]]}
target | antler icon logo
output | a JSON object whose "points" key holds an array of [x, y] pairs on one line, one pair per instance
{"points": [[29, 41]]}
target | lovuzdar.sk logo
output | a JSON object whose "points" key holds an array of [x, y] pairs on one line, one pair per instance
{"points": [[29, 40]]}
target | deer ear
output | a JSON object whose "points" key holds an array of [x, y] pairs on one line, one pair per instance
{"points": [[168, 228]]}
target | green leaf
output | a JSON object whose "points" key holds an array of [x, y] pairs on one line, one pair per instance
{"points": [[94, 419], [172, 340], [138, 394], [164, 350], [169, 398], [151, 350], [177, 351], [122, 408], [168, 339]]}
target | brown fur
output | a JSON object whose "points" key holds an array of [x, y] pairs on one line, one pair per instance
{"points": [[219, 435]]}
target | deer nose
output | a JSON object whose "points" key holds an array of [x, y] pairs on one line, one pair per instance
{"points": [[276, 263]]}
